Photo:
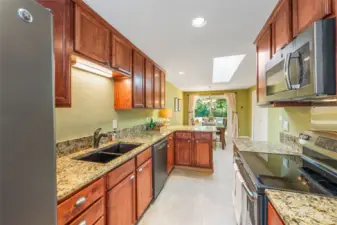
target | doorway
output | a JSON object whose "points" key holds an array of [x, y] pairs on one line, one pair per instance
{"points": [[259, 121]]}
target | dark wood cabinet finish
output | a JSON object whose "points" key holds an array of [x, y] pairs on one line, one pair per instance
{"points": [[91, 36], [121, 202], [138, 80], [144, 187], [121, 54], [162, 89], [170, 153], [62, 12], [305, 12], [202, 155], [273, 217], [149, 84], [281, 26], [122, 93], [156, 88], [183, 151], [263, 49], [72, 207]]}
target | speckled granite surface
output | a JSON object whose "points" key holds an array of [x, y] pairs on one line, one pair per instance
{"points": [[265, 147], [73, 174], [303, 209]]}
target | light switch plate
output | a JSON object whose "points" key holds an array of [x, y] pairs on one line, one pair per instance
{"points": [[280, 118], [114, 124], [285, 125]]}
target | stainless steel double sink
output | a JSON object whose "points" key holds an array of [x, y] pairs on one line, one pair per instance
{"points": [[108, 153]]}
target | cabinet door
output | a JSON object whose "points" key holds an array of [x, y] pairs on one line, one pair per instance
{"points": [[273, 217], [156, 88], [281, 26], [121, 55], [144, 187], [202, 153], [170, 156], [62, 49], [305, 12], [148, 84], [123, 93], [121, 203], [91, 37], [263, 49], [162, 89], [138, 80], [183, 152]]}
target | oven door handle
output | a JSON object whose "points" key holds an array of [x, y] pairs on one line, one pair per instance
{"points": [[287, 71], [251, 195]]}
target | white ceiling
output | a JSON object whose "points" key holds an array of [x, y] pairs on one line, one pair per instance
{"points": [[163, 30]]}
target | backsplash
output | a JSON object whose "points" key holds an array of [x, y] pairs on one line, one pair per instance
{"points": [[290, 140], [71, 146]]}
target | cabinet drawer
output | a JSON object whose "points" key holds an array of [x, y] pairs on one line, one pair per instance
{"points": [[118, 174], [183, 135], [145, 155], [203, 136], [100, 221], [76, 204], [91, 215]]}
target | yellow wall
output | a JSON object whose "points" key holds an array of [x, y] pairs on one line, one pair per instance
{"points": [[93, 107], [298, 118], [242, 107]]}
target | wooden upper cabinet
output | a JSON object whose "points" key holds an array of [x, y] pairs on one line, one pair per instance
{"points": [[144, 187], [281, 26], [61, 10], [156, 88], [202, 153], [121, 202], [263, 49], [183, 151], [162, 89], [138, 80], [121, 54], [273, 217], [305, 12], [149, 84], [123, 93], [91, 36]]}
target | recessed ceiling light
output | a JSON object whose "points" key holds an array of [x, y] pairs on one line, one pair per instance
{"points": [[181, 73], [225, 67], [199, 22]]}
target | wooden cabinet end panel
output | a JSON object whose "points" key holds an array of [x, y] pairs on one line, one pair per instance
{"points": [[149, 83], [273, 217], [162, 90], [76, 204], [156, 88]]}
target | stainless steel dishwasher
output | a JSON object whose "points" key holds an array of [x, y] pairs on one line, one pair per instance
{"points": [[159, 157]]}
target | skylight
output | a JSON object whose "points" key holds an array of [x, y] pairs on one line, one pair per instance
{"points": [[225, 67]]}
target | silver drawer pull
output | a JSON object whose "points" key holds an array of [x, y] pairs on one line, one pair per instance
{"points": [[132, 177], [140, 170], [80, 201], [83, 222]]}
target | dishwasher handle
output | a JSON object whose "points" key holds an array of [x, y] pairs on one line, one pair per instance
{"points": [[161, 144]]}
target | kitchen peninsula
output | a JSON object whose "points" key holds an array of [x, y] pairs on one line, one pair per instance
{"points": [[87, 184]]}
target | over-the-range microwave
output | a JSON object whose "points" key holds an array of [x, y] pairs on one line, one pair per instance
{"points": [[305, 69]]}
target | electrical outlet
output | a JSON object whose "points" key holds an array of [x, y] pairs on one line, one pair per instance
{"points": [[285, 125], [114, 124], [280, 118]]}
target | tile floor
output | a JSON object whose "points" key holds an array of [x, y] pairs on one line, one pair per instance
{"points": [[191, 198]]}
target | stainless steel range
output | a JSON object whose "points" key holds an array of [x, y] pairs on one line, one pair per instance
{"points": [[313, 172]]}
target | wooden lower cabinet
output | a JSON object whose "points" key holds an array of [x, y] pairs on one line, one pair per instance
{"points": [[144, 187], [121, 206], [183, 152], [273, 217], [101, 221], [91, 215], [202, 153], [170, 154]]}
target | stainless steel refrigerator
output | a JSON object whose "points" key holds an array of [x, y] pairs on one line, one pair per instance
{"points": [[27, 142]]}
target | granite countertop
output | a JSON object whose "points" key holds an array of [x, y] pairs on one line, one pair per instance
{"points": [[264, 147], [303, 209], [73, 174]]}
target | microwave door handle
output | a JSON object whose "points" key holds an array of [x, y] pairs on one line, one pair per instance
{"points": [[287, 71]]}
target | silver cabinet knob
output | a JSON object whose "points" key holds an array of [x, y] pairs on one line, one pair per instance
{"points": [[140, 170], [83, 222], [132, 177], [80, 201]]}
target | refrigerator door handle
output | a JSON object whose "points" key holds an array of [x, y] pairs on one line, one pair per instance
{"points": [[80, 201]]}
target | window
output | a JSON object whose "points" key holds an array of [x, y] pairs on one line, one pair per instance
{"points": [[210, 107]]}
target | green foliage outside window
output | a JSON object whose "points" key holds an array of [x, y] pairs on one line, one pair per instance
{"points": [[219, 108]]}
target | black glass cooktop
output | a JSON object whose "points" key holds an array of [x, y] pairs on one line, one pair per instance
{"points": [[289, 172]]}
